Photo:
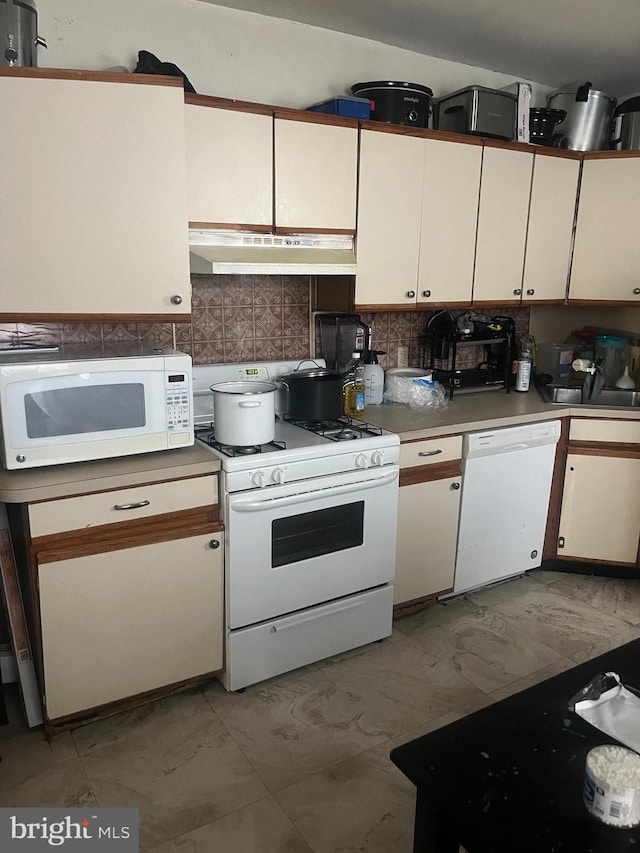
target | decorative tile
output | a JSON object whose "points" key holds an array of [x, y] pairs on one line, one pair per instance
{"points": [[238, 323], [267, 290], [238, 290], [81, 333], [206, 290], [295, 320], [206, 352], [399, 326], [239, 351], [184, 332], [120, 333], [296, 348], [269, 349], [268, 321], [296, 289], [156, 333], [207, 324]]}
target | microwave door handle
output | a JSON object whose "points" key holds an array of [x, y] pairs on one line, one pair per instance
{"points": [[304, 497]]}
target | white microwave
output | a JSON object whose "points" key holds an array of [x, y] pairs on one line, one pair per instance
{"points": [[55, 408]]}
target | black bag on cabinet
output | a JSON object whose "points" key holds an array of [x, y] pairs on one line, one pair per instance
{"points": [[150, 64]]}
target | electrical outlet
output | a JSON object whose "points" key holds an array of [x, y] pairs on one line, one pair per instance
{"points": [[403, 357]]}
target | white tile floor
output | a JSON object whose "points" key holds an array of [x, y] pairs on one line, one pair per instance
{"points": [[301, 763]]}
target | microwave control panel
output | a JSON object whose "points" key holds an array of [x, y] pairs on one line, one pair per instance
{"points": [[178, 402]]}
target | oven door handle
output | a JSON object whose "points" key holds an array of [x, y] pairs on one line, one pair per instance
{"points": [[313, 494]]}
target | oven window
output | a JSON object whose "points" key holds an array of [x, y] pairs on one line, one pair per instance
{"points": [[312, 534], [90, 408]]}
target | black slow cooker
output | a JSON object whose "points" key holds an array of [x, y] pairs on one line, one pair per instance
{"points": [[397, 103]]}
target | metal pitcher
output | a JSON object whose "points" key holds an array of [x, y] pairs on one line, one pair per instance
{"points": [[588, 121]]}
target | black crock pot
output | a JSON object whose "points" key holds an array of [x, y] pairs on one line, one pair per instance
{"points": [[397, 103]]}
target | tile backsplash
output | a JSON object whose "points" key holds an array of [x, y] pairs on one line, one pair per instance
{"points": [[244, 318]]}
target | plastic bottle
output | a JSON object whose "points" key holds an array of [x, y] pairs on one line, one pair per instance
{"points": [[373, 378], [523, 373], [354, 388]]}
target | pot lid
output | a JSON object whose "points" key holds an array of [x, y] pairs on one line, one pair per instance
{"points": [[310, 373], [631, 105], [248, 386], [391, 84]]}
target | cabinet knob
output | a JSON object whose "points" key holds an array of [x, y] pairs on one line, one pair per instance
{"points": [[636, 290], [455, 486], [517, 292], [530, 291], [214, 543], [426, 293], [176, 299], [411, 294]]}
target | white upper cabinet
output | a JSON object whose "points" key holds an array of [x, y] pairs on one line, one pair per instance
{"points": [[449, 218], [229, 167], [502, 224], [93, 219], [551, 214], [606, 256], [389, 218], [316, 168]]}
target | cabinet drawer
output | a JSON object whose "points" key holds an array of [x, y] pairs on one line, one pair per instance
{"points": [[615, 432], [135, 503], [430, 451]]}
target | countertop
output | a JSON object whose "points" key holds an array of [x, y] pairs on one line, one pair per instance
{"points": [[482, 410], [465, 413], [78, 478]]}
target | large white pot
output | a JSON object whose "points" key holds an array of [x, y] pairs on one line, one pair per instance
{"points": [[244, 412]]}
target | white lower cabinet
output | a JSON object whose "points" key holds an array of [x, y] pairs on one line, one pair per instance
{"points": [[600, 516], [428, 513], [124, 622]]}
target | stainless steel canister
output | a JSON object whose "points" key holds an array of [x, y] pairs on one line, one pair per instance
{"points": [[625, 129], [588, 121], [19, 38]]}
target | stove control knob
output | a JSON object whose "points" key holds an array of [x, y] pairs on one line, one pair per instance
{"points": [[361, 461], [258, 479], [278, 476], [377, 458]]}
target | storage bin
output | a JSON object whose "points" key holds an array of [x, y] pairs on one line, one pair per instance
{"points": [[554, 359], [344, 106], [611, 349]]}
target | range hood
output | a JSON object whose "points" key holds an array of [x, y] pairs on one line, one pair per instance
{"points": [[215, 251]]}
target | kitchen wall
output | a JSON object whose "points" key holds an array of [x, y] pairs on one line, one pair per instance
{"points": [[240, 55]]}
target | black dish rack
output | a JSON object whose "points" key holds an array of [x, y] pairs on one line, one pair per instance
{"points": [[439, 353]]}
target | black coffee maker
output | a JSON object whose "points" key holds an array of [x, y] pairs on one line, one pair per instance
{"points": [[340, 335]]}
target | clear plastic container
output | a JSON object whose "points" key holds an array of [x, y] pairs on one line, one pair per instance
{"points": [[611, 350], [584, 344]]}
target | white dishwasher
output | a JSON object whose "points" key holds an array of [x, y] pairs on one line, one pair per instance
{"points": [[505, 498]]}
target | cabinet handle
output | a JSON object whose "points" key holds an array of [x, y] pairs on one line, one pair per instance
{"points": [[411, 294], [530, 291], [214, 543], [137, 505], [455, 486], [636, 290], [426, 293], [429, 452], [517, 292], [176, 299]]}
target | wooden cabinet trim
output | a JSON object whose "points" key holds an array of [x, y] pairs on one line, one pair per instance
{"points": [[611, 303], [30, 317], [280, 230], [291, 114], [126, 534], [233, 226], [428, 473], [596, 448], [227, 104], [91, 76], [610, 155]]}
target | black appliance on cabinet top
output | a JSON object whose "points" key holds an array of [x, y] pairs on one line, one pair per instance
{"points": [[492, 363]]}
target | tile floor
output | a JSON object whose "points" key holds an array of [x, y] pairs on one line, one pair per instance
{"points": [[301, 763]]}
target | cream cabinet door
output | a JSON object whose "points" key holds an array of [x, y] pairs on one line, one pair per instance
{"points": [[93, 219], [120, 623], [427, 534], [316, 169], [449, 221], [600, 518], [551, 214], [606, 255], [229, 167], [389, 217], [502, 224]]}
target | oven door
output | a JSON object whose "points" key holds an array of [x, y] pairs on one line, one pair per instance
{"points": [[308, 542]]}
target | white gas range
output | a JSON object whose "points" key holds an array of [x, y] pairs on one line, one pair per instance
{"points": [[310, 535]]}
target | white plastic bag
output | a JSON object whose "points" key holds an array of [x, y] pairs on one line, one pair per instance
{"points": [[427, 394]]}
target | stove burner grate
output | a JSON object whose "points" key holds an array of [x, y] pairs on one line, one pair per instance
{"points": [[207, 435], [339, 429]]}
